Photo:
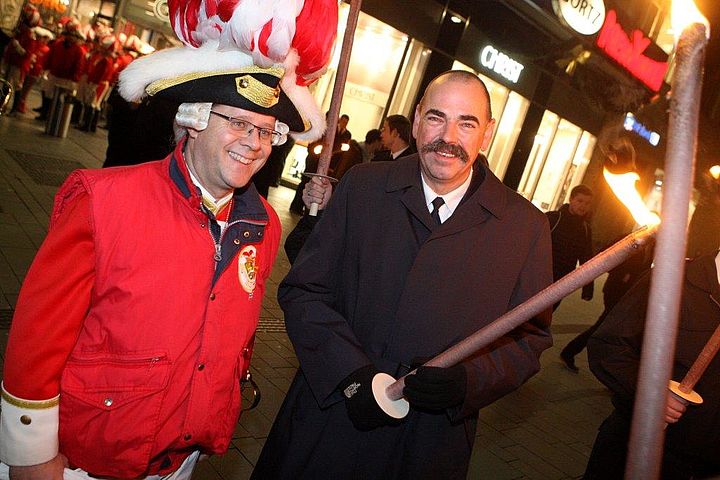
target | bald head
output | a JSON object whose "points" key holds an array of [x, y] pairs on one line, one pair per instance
{"points": [[459, 76]]}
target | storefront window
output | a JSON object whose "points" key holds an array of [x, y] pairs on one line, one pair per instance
{"points": [[507, 130], [575, 171], [558, 161], [538, 154], [379, 52]]}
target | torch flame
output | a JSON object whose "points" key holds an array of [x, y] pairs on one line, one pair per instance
{"points": [[685, 13], [623, 186], [715, 171]]}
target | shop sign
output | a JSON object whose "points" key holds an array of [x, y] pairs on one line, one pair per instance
{"points": [[365, 94], [628, 51], [493, 59], [583, 16], [631, 124]]}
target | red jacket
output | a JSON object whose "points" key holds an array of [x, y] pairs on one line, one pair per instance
{"points": [[144, 335], [38, 65], [100, 68], [65, 60], [27, 42]]}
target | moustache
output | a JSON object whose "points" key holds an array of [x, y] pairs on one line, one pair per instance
{"points": [[441, 146]]}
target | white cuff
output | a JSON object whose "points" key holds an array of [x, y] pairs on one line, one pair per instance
{"points": [[28, 430]]}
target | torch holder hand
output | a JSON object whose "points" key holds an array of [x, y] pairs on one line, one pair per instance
{"points": [[691, 397], [314, 207], [394, 408]]}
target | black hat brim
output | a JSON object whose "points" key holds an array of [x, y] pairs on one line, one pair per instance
{"points": [[222, 89]]}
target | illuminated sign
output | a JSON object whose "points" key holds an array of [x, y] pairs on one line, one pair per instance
{"points": [[628, 52], [493, 59], [583, 16], [631, 124]]}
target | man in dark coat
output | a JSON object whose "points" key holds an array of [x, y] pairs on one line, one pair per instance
{"points": [[571, 236], [382, 283], [692, 438], [395, 137]]}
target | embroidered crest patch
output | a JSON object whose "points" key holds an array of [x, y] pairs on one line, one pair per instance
{"points": [[247, 268]]}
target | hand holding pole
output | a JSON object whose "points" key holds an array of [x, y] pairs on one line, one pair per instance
{"points": [[338, 89]]}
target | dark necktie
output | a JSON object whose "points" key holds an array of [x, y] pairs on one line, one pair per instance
{"points": [[437, 203]]}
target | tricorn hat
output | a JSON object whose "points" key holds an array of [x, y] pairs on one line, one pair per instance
{"points": [[251, 54]]}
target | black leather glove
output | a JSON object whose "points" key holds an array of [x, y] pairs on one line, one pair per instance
{"points": [[364, 412], [436, 388]]}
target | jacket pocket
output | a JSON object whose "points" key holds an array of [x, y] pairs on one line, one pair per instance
{"points": [[109, 410], [233, 407]]}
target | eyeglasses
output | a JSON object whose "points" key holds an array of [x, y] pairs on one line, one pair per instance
{"points": [[267, 136]]}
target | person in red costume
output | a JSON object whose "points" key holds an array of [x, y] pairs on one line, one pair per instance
{"points": [[40, 52], [136, 320], [65, 63], [18, 55], [100, 71]]}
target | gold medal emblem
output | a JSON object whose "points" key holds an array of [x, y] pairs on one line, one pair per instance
{"points": [[247, 268]]}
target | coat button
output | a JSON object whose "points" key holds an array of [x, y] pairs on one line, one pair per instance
{"points": [[202, 225], [187, 437], [212, 296], [108, 402], [245, 351], [25, 420], [201, 367], [246, 234], [259, 234], [236, 241]]}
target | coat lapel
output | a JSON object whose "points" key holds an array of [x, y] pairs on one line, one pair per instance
{"points": [[406, 178]]}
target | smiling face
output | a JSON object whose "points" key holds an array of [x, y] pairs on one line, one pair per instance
{"points": [[222, 159], [451, 126]]}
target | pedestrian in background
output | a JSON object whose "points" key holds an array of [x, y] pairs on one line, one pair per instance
{"points": [[396, 140], [619, 280], [372, 143], [572, 236]]}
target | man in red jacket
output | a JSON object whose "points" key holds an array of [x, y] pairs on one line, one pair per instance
{"points": [[65, 63], [136, 320]]}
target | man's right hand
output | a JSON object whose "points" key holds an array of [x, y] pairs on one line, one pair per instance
{"points": [[50, 470], [317, 190]]}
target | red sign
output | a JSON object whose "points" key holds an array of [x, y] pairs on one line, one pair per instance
{"points": [[628, 52]]}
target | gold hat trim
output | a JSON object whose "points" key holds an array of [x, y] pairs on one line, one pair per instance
{"points": [[256, 91], [165, 83], [30, 404]]}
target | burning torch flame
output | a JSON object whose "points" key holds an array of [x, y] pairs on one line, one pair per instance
{"points": [[715, 171], [685, 13], [623, 186]]}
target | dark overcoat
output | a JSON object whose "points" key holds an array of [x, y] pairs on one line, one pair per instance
{"points": [[377, 282], [692, 445]]}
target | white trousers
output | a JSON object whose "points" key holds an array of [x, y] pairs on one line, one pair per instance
{"points": [[183, 473]]}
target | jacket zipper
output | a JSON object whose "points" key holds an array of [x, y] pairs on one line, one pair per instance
{"points": [[217, 244]]}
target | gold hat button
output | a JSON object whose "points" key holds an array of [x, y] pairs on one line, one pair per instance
{"points": [[243, 83]]}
